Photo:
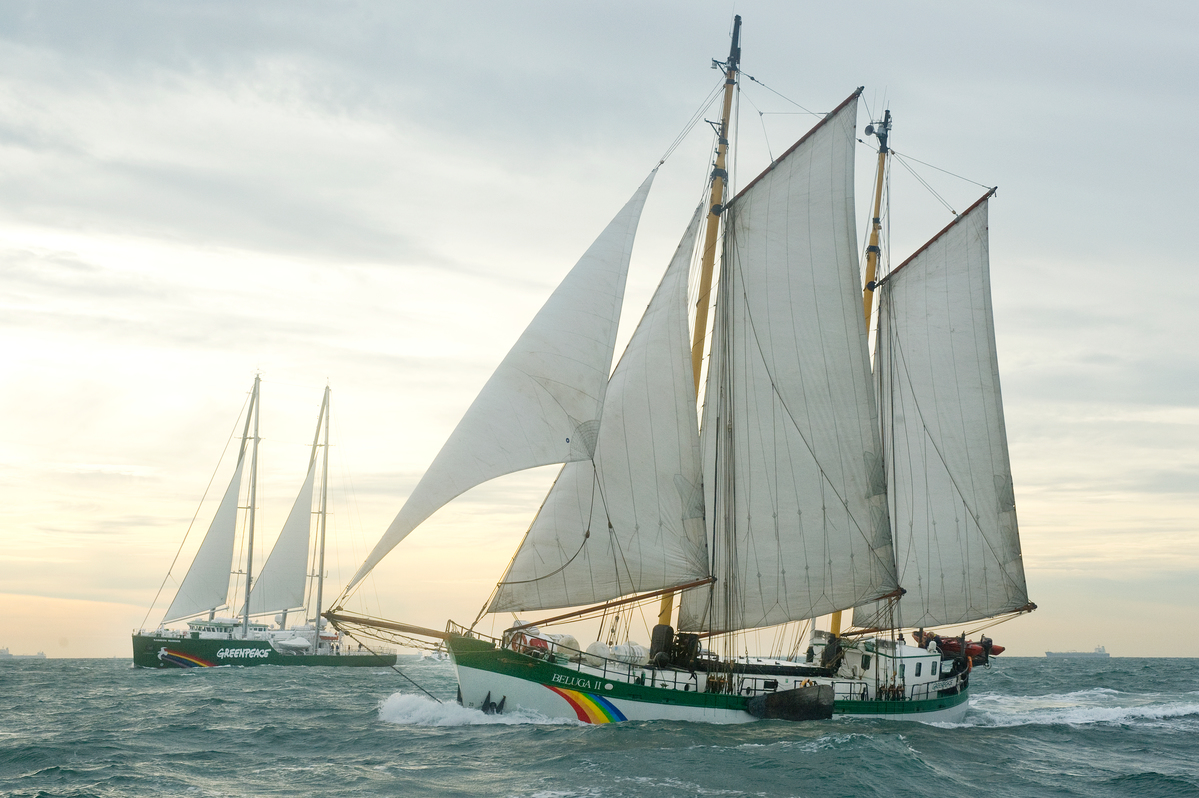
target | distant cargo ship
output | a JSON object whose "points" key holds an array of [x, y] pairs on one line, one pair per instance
{"points": [[5, 655], [1099, 651]]}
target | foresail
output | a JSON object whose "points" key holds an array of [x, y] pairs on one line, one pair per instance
{"points": [[280, 583], [206, 584], [792, 458], [952, 505], [542, 405], [631, 520]]}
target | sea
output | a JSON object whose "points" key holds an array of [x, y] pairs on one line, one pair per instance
{"points": [[1036, 727]]}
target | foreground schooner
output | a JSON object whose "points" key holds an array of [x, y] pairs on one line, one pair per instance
{"points": [[278, 589], [805, 485]]}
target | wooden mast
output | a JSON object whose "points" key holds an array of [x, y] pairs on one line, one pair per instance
{"points": [[872, 252], [715, 206]]}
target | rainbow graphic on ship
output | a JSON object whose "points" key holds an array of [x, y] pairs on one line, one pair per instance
{"points": [[181, 660], [590, 708]]}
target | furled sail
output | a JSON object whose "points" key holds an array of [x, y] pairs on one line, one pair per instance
{"points": [[631, 519], [206, 584], [792, 458], [280, 583], [542, 405], [950, 481]]}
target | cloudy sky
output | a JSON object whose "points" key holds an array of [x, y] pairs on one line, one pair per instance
{"points": [[380, 195]]}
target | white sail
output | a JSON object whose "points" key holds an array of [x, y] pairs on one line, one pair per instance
{"points": [[542, 405], [280, 583], [950, 481], [792, 468], [631, 519], [206, 584]]}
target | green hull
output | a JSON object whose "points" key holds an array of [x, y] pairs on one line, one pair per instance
{"points": [[901, 708], [487, 673], [150, 651], [482, 656]]}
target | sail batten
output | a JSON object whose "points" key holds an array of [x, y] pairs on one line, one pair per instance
{"points": [[792, 464], [949, 474], [628, 520], [542, 405]]}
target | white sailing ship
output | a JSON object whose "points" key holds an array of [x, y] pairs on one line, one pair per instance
{"points": [[291, 579], [807, 484]]}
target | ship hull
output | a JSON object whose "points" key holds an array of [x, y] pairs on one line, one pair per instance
{"points": [[151, 651], [496, 680], [946, 709]]}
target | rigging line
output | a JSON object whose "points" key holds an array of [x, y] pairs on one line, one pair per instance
{"points": [[694, 120], [586, 537], [923, 182], [613, 538], [785, 97], [511, 562], [939, 169], [397, 670], [765, 135], [232, 434]]}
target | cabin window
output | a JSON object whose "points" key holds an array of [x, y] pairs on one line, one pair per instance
{"points": [[865, 662], [902, 668], [933, 669], [918, 664]]}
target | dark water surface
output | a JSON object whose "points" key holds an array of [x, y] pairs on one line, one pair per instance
{"points": [[1036, 727]]}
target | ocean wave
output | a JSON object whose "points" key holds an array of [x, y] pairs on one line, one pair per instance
{"points": [[1092, 706], [406, 709]]}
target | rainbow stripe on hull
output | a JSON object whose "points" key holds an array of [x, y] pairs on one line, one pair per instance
{"points": [[590, 708], [179, 659]]}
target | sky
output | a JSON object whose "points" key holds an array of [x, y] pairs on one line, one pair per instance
{"points": [[380, 196]]}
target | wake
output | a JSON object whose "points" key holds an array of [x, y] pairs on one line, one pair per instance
{"points": [[1082, 707], [406, 709]]}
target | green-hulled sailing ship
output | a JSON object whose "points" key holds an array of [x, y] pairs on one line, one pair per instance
{"points": [[293, 571], [812, 479]]}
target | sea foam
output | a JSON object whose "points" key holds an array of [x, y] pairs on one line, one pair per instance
{"points": [[407, 709], [1092, 706]]}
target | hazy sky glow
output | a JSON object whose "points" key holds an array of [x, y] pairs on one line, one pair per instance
{"points": [[382, 194]]}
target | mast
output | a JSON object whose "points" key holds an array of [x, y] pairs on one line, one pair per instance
{"points": [[715, 206], [320, 566], [872, 250], [245, 627]]}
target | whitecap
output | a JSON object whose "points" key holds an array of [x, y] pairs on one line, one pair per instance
{"points": [[1092, 706], [407, 709]]}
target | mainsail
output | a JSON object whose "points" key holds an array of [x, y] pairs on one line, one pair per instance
{"points": [[543, 403], [206, 584], [631, 519], [948, 473], [792, 458]]}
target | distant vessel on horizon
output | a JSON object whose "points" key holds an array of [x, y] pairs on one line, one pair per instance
{"points": [[1099, 651], [281, 585], [5, 655]]}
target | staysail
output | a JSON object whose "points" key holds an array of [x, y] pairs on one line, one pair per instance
{"points": [[543, 403], [950, 482], [792, 457], [631, 519], [206, 584]]}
